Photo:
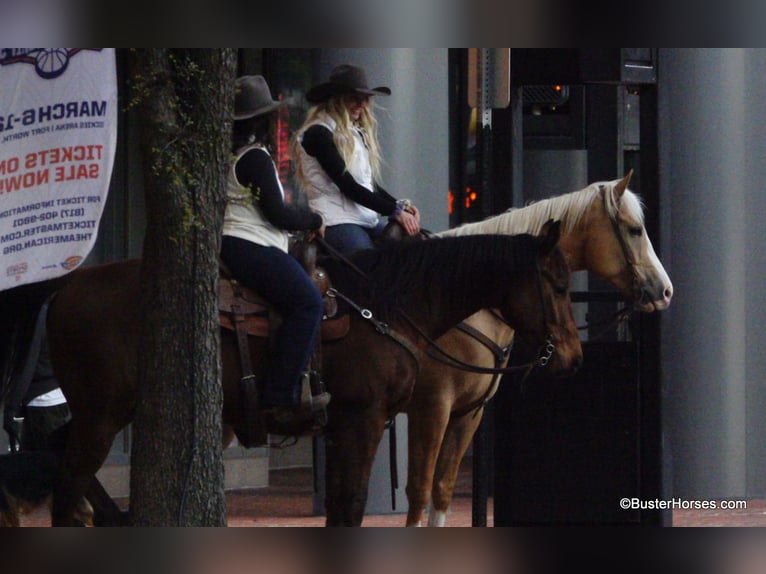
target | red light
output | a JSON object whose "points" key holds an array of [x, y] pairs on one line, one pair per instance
{"points": [[470, 196], [283, 149]]}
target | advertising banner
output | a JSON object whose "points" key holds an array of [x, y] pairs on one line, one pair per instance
{"points": [[58, 133]]}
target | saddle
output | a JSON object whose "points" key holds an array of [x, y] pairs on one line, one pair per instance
{"points": [[246, 313], [241, 307]]}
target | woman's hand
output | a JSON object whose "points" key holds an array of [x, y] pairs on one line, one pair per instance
{"points": [[414, 211], [312, 234], [410, 222]]}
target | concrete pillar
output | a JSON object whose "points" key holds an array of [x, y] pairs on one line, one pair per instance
{"points": [[712, 172]]}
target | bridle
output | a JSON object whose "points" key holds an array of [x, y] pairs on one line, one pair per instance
{"points": [[626, 311], [544, 355], [631, 262], [437, 353]]}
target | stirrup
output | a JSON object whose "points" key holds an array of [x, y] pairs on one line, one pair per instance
{"points": [[313, 396]]}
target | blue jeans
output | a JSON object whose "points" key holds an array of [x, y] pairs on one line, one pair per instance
{"points": [[349, 237], [281, 280]]}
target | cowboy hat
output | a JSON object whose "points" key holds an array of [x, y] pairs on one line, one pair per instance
{"points": [[252, 97], [344, 79]]}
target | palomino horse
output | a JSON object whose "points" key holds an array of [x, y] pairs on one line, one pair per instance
{"points": [[603, 231], [410, 293]]}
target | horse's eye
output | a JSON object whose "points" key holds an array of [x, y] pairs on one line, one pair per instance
{"points": [[636, 231]]}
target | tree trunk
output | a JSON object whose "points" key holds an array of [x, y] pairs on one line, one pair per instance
{"points": [[185, 99]]}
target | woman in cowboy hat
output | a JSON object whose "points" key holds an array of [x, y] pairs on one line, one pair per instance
{"points": [[254, 247], [338, 162]]}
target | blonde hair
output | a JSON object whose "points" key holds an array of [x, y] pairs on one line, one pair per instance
{"points": [[336, 108]]}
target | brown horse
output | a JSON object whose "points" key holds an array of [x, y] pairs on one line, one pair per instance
{"points": [[410, 293], [603, 231]]}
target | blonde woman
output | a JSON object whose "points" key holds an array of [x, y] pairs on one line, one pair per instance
{"points": [[338, 163]]}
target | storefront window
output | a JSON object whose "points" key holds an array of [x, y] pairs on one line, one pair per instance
{"points": [[290, 72], [465, 182]]}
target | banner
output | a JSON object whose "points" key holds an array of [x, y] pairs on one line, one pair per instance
{"points": [[58, 133]]}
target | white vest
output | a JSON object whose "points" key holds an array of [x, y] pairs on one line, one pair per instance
{"points": [[324, 196], [243, 218]]}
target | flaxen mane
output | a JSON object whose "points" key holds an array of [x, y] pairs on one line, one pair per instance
{"points": [[569, 208]]}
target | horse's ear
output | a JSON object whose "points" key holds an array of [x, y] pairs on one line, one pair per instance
{"points": [[551, 233], [622, 185]]}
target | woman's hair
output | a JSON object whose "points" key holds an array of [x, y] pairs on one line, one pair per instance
{"points": [[337, 108], [252, 130]]}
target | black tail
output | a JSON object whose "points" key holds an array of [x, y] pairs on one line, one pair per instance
{"points": [[19, 308]]}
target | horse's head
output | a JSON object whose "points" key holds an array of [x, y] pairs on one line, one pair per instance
{"points": [[548, 292], [619, 249]]}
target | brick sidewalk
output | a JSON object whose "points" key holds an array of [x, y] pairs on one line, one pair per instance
{"points": [[288, 502]]}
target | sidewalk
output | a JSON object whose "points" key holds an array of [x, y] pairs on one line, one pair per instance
{"points": [[288, 501]]}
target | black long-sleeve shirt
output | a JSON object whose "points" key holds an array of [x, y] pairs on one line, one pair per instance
{"points": [[256, 170], [318, 142]]}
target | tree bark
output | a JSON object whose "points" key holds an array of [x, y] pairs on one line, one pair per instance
{"points": [[185, 99]]}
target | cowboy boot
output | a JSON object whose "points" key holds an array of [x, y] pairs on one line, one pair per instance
{"points": [[308, 415]]}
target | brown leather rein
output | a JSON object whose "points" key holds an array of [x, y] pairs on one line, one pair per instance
{"points": [[437, 352]]}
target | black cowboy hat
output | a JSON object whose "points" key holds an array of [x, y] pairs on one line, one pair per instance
{"points": [[344, 79], [252, 97]]}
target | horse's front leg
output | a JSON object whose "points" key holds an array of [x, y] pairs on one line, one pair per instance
{"points": [[351, 445], [85, 452], [457, 439], [106, 512], [427, 422]]}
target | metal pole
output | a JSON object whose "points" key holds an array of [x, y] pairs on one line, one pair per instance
{"points": [[480, 491]]}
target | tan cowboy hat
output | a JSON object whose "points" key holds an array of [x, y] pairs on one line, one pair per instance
{"points": [[344, 79], [252, 97]]}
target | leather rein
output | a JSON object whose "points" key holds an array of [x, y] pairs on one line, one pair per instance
{"points": [[433, 348]]}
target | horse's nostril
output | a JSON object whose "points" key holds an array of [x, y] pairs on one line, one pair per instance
{"points": [[668, 293]]}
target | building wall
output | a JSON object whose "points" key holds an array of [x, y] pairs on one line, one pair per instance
{"points": [[712, 171]]}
